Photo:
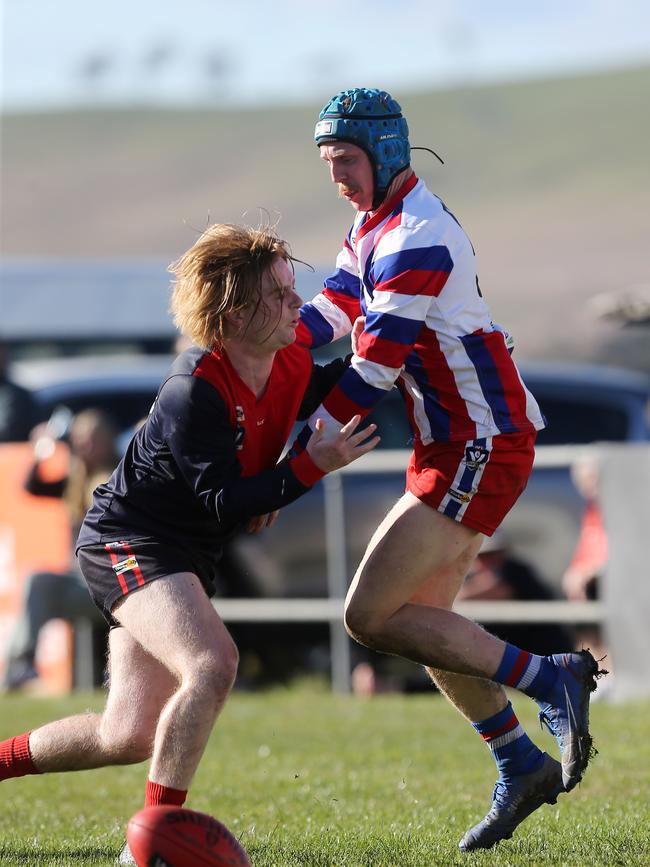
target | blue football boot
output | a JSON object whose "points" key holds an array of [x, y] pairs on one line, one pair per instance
{"points": [[513, 800], [566, 713]]}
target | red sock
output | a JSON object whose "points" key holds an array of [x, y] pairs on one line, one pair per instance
{"points": [[15, 760], [156, 794]]}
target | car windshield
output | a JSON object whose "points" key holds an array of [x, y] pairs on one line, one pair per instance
{"points": [[582, 422]]}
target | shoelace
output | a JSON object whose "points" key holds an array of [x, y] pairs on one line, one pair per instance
{"points": [[501, 799], [499, 794], [551, 723]]}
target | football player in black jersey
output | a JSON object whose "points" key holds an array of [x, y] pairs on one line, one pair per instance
{"points": [[205, 463]]}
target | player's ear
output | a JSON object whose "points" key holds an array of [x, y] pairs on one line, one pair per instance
{"points": [[234, 321]]}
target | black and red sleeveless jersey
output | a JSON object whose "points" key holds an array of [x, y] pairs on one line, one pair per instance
{"points": [[206, 459]]}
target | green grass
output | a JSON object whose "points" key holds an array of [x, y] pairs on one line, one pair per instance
{"points": [[307, 778]]}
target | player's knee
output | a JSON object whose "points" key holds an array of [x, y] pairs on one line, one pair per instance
{"points": [[361, 626], [128, 743], [216, 670], [141, 746]]}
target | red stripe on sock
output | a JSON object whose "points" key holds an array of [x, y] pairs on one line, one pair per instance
{"points": [[518, 668], [155, 794], [512, 723], [15, 758]]}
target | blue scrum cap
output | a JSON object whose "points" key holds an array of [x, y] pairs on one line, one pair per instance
{"points": [[372, 120]]}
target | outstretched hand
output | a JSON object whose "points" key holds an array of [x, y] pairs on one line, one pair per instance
{"points": [[333, 450]]}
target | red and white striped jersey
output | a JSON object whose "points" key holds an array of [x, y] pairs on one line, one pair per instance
{"points": [[410, 269]]}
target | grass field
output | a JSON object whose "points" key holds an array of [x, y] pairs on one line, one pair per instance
{"points": [[307, 778]]}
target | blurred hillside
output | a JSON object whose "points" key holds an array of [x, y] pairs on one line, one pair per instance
{"points": [[550, 179]]}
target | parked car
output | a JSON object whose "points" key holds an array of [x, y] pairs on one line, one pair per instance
{"points": [[123, 386], [583, 404]]}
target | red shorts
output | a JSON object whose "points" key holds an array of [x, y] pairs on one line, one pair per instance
{"points": [[475, 482]]}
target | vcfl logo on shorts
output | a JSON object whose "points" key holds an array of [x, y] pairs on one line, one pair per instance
{"points": [[475, 456]]}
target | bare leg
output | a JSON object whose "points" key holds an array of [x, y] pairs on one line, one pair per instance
{"points": [[167, 688], [399, 603], [413, 547], [123, 734], [190, 639], [474, 697]]}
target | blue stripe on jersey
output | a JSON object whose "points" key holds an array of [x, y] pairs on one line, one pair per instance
{"points": [[439, 418], [319, 328], [421, 259], [343, 282], [358, 391], [488, 377], [368, 282], [399, 329]]}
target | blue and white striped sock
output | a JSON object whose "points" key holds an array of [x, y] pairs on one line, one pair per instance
{"points": [[513, 750], [527, 672]]}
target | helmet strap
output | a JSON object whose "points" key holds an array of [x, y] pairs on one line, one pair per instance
{"points": [[379, 196], [420, 148]]}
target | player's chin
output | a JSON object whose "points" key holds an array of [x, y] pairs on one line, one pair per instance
{"points": [[288, 335], [359, 204], [357, 198]]}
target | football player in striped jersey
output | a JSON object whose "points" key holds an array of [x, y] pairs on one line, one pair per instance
{"points": [[406, 282]]}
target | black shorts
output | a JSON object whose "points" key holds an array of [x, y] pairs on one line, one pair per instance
{"points": [[114, 569]]}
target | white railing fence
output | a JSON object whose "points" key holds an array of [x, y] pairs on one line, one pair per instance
{"points": [[623, 609]]}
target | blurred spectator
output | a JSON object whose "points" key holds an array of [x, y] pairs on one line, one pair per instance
{"points": [[497, 574], [580, 581], [584, 574], [49, 595], [17, 409]]}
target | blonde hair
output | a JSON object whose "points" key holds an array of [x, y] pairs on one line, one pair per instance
{"points": [[220, 274]]}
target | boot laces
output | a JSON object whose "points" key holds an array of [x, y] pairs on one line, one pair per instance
{"points": [[549, 720], [504, 800]]}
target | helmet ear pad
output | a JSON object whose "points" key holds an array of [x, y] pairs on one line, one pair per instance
{"points": [[392, 154]]}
